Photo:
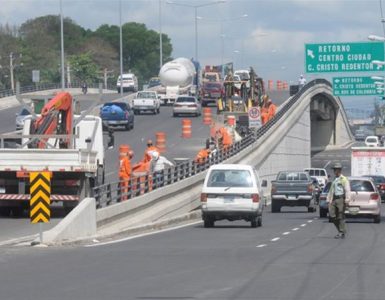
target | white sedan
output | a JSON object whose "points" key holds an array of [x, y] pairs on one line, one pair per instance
{"points": [[232, 192]]}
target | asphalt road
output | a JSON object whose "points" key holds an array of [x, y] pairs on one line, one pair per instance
{"points": [[292, 257], [145, 127]]}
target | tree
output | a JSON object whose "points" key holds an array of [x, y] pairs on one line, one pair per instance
{"points": [[83, 68]]}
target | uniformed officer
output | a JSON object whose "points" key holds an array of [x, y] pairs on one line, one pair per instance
{"points": [[338, 197]]}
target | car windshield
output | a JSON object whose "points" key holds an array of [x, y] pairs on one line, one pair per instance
{"points": [[24, 112], [185, 99], [230, 178], [146, 95], [244, 76], [211, 77], [292, 176], [371, 140], [376, 179], [212, 86], [361, 186]]}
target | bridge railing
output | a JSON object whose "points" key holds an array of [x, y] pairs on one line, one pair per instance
{"points": [[49, 86], [118, 191]]}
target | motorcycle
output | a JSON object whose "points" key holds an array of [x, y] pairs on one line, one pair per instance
{"points": [[84, 89]]}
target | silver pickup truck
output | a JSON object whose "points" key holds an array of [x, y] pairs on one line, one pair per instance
{"points": [[292, 188]]}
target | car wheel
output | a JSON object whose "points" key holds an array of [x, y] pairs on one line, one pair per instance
{"points": [[174, 115], [259, 221], [377, 219], [158, 111], [127, 126], [208, 223], [154, 112], [132, 125], [253, 222], [5, 211], [311, 209], [330, 220], [323, 213], [275, 207]]}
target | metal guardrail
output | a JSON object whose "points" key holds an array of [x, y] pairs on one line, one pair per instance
{"points": [[48, 86], [118, 191]]}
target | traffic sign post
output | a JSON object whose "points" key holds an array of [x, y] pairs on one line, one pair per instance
{"points": [[354, 86], [254, 117], [343, 57], [40, 190]]}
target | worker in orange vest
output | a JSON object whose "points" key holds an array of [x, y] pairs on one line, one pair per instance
{"points": [[227, 140], [125, 171], [203, 154], [272, 109], [148, 152], [265, 109]]}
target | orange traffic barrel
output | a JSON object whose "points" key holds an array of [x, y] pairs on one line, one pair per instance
{"points": [[207, 116], [123, 149], [231, 120], [161, 141], [186, 128]]}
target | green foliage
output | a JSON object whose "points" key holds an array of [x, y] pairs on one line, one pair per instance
{"points": [[89, 52], [83, 68]]}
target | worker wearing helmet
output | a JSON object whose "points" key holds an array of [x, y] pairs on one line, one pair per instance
{"points": [[203, 154], [301, 81], [125, 171], [147, 153], [158, 165]]}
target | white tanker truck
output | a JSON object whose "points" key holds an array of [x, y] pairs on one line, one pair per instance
{"points": [[177, 77]]}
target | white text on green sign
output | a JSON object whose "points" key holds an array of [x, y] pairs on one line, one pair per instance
{"points": [[343, 57], [354, 86]]}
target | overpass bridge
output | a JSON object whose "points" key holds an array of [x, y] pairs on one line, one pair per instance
{"points": [[311, 120]]}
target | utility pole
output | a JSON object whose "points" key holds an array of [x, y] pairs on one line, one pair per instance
{"points": [[11, 71], [106, 74], [160, 36], [68, 75]]}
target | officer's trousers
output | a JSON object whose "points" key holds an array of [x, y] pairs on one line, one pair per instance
{"points": [[337, 214]]}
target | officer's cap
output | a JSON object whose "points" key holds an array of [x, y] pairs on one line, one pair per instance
{"points": [[337, 166]]}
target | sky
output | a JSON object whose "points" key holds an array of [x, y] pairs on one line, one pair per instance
{"points": [[270, 38]]}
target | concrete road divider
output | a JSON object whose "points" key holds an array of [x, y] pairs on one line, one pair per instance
{"points": [[79, 223]]}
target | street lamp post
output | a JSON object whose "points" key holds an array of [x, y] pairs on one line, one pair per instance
{"points": [[62, 47], [196, 17], [121, 47], [160, 36]]}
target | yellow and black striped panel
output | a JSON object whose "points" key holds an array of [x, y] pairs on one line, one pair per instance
{"points": [[40, 190]]}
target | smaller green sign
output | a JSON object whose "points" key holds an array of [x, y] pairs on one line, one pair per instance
{"points": [[355, 86]]}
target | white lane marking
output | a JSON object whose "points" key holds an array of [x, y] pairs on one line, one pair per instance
{"points": [[310, 221], [295, 229], [286, 233], [327, 164], [143, 235], [315, 218], [303, 225], [275, 239], [261, 246]]}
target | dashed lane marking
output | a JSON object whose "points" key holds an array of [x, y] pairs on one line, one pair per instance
{"points": [[286, 233], [261, 246], [295, 229], [303, 225], [275, 239], [310, 221]]}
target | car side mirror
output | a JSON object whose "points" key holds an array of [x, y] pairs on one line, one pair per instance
{"points": [[264, 183]]}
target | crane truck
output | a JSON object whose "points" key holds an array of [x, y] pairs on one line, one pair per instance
{"points": [[70, 147]]}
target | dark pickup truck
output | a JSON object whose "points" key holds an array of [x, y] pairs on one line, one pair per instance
{"points": [[292, 188]]}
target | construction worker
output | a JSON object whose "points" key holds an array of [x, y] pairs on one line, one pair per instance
{"points": [[301, 81], [125, 171], [265, 109], [147, 153], [203, 154], [227, 140], [158, 165], [272, 108]]}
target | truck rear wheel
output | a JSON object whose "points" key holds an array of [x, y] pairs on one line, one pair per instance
{"points": [[5, 211], [275, 207]]}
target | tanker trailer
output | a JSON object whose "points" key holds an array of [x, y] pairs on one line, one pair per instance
{"points": [[177, 78]]}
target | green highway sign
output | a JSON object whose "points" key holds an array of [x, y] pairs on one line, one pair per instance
{"points": [[354, 86], [343, 57]]}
